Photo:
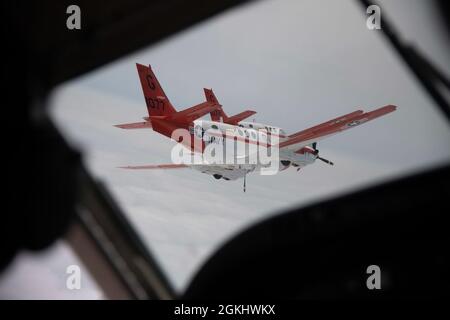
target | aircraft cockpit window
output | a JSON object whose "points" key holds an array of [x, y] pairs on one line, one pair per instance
{"points": [[175, 212]]}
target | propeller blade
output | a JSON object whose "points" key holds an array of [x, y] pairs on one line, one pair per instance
{"points": [[314, 146], [326, 161]]}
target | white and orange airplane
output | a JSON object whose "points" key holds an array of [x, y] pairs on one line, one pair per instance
{"points": [[293, 150]]}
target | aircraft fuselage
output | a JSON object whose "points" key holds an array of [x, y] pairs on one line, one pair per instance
{"points": [[238, 143]]}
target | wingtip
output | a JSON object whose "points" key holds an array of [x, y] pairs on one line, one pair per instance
{"points": [[390, 107], [386, 109]]}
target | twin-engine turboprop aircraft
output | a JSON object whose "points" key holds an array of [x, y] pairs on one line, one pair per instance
{"points": [[233, 136]]}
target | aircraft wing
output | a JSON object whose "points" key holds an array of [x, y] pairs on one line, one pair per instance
{"points": [[174, 166], [305, 137], [329, 123], [157, 166]]}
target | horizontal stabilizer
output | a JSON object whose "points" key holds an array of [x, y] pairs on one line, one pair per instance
{"points": [[234, 120], [194, 113], [135, 125]]}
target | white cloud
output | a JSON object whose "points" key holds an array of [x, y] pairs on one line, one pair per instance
{"points": [[43, 276]]}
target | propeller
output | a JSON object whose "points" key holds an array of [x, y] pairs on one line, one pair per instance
{"points": [[316, 152], [326, 161]]}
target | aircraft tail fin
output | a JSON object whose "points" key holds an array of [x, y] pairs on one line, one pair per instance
{"points": [[158, 103], [210, 96], [220, 116], [216, 115]]}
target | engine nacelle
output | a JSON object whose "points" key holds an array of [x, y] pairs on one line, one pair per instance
{"points": [[284, 164]]}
